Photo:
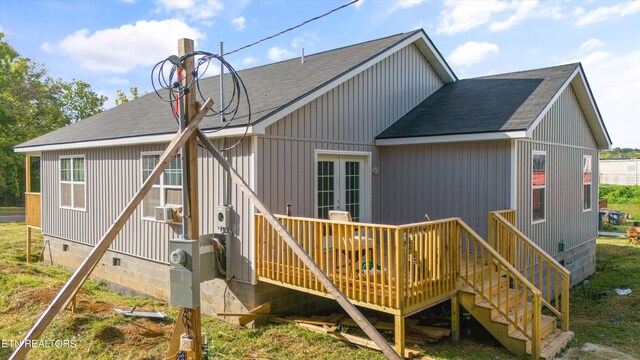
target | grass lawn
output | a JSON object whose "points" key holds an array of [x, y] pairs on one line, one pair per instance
{"points": [[612, 320], [99, 333]]}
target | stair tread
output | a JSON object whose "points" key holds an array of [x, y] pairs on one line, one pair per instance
{"points": [[545, 321], [553, 343]]}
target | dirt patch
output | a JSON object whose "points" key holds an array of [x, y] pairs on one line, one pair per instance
{"points": [[595, 352], [94, 307], [109, 334], [147, 329], [30, 298]]}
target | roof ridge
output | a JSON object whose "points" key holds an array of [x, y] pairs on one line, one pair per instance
{"points": [[575, 65], [327, 51]]}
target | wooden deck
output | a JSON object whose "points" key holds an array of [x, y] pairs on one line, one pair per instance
{"points": [[405, 269]]}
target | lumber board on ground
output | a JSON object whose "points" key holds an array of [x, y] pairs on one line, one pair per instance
{"points": [[84, 270]]}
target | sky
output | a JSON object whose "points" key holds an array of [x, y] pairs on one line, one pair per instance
{"points": [[113, 44]]}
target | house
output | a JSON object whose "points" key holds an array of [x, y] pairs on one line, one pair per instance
{"points": [[620, 171], [384, 130]]}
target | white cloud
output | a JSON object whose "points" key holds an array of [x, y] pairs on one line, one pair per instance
{"points": [[605, 13], [195, 9], [471, 52], [522, 12], [403, 4], [116, 80], [249, 60], [308, 39], [592, 44], [277, 53], [239, 23], [46, 47], [121, 49], [459, 16], [593, 58], [616, 85], [359, 3]]}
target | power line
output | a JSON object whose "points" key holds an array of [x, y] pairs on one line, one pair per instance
{"points": [[291, 28]]}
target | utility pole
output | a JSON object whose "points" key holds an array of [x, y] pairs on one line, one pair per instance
{"points": [[190, 154]]}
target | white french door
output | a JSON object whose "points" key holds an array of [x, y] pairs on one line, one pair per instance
{"points": [[341, 185]]}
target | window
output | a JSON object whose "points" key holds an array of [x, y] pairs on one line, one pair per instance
{"points": [[586, 183], [167, 190], [538, 186], [72, 182]]}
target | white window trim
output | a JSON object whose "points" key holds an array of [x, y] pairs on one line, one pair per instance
{"points": [[366, 156], [60, 182], [534, 153], [161, 186], [589, 183]]}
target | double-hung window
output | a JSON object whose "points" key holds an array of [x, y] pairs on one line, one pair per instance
{"points": [[586, 182], [167, 190], [538, 186], [72, 182]]}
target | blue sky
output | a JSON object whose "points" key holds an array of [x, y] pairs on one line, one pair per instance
{"points": [[113, 44]]}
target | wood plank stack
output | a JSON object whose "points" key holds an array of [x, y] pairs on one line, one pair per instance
{"points": [[333, 324]]}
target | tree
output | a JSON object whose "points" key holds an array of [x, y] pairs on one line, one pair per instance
{"points": [[31, 104], [122, 98]]}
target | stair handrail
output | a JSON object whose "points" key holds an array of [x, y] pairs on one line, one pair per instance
{"points": [[518, 278], [563, 312]]}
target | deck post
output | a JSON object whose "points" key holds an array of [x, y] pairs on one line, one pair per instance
{"points": [[399, 333], [27, 172], [490, 231], [455, 318], [565, 303]]}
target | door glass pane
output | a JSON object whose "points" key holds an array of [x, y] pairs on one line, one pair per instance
{"points": [[326, 176], [173, 196], [352, 188]]}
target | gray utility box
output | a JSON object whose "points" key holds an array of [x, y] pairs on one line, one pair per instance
{"points": [[207, 258], [184, 258]]}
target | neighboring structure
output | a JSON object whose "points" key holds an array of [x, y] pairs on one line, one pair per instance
{"points": [[382, 129], [620, 171]]}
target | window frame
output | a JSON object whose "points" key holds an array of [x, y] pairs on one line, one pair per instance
{"points": [[590, 183], [534, 187], [161, 186], [72, 182]]}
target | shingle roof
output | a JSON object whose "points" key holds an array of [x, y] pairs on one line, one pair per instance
{"points": [[497, 103], [270, 88]]}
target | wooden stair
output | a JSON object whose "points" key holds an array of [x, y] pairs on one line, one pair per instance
{"points": [[553, 340]]}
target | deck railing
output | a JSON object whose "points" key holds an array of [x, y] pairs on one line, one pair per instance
{"points": [[533, 263], [502, 286], [32, 209]]}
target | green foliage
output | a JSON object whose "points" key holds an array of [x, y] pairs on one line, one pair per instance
{"points": [[618, 153], [620, 194], [31, 104], [122, 98]]}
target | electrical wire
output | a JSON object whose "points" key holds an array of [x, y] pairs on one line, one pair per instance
{"points": [[170, 80], [167, 84], [291, 28]]}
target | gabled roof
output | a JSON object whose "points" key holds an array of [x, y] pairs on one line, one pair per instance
{"points": [[494, 107], [275, 90]]}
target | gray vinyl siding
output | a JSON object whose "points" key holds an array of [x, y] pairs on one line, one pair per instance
{"points": [[113, 176], [565, 136], [446, 180], [565, 123], [346, 118]]}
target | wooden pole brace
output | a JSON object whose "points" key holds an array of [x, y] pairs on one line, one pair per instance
{"points": [[82, 273], [355, 314]]}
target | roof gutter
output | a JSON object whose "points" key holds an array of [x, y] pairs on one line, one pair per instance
{"points": [[500, 135], [133, 140]]}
